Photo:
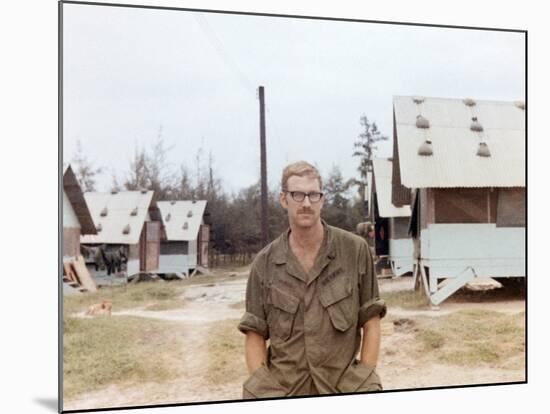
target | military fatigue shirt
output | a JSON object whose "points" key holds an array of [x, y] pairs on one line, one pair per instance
{"points": [[313, 321]]}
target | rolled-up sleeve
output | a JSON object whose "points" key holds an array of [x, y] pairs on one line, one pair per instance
{"points": [[254, 318], [371, 303]]}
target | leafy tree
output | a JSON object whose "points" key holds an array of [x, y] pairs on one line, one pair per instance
{"points": [[150, 170], [183, 189], [138, 176], [115, 186], [84, 169], [335, 188], [243, 220], [159, 175], [278, 219], [336, 210]]}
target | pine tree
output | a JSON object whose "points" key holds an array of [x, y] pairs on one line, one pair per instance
{"points": [[364, 149]]}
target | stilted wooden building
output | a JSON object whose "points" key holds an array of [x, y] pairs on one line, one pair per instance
{"points": [[77, 219], [128, 236], [185, 244], [391, 223], [460, 164]]}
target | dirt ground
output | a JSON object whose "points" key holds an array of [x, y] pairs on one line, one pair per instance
{"points": [[398, 370], [213, 302]]}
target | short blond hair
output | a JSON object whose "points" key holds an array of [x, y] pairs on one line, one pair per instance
{"points": [[301, 169]]}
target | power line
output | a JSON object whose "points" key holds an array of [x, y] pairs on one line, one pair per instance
{"points": [[219, 47]]}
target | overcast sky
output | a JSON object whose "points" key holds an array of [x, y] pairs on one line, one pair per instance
{"points": [[127, 72]]}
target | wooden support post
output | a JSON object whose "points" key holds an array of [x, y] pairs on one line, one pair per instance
{"points": [[424, 280], [453, 285], [416, 279]]}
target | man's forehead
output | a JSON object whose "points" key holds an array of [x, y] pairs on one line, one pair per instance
{"points": [[304, 183]]}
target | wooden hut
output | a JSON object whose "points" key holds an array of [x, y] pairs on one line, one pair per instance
{"points": [[185, 245], [128, 236], [391, 223], [77, 219], [460, 163]]}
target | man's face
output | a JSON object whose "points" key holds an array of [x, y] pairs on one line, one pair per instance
{"points": [[304, 214]]}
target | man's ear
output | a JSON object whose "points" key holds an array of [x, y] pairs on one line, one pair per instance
{"points": [[282, 200]]}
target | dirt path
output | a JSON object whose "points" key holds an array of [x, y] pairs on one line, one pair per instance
{"points": [[204, 304], [213, 302]]}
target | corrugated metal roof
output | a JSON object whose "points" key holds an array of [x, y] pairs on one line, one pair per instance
{"points": [[382, 178], [119, 214], [181, 212], [454, 162]]}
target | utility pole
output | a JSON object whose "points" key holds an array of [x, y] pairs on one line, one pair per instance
{"points": [[263, 168]]}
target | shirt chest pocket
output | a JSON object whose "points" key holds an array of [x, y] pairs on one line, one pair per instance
{"points": [[337, 299], [282, 314]]}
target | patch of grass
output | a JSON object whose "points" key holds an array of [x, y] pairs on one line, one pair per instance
{"points": [[431, 339], [165, 305], [152, 295], [123, 350], [226, 361], [474, 353], [214, 278], [228, 267], [472, 337], [407, 299], [159, 295]]}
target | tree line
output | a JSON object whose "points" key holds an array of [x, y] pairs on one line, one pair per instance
{"points": [[232, 235]]}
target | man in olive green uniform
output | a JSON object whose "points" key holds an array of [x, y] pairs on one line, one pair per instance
{"points": [[311, 293]]}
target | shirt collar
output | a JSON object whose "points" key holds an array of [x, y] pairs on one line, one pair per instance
{"points": [[328, 248]]}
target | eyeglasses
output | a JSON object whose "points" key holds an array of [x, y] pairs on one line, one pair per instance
{"points": [[300, 196]]}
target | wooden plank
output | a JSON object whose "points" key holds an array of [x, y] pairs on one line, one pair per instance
{"points": [[152, 249], [82, 272], [424, 279], [452, 286], [70, 273]]}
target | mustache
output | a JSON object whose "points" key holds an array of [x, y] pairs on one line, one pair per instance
{"points": [[305, 211]]}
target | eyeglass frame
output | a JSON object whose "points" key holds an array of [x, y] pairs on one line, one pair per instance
{"points": [[292, 193]]}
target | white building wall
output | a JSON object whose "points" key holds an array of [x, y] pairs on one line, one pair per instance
{"points": [[192, 256], [401, 256], [69, 216], [132, 267], [450, 249], [173, 263]]}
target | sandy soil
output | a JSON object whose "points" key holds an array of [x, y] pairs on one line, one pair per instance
{"points": [[398, 370], [210, 302]]}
